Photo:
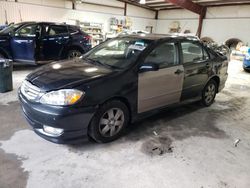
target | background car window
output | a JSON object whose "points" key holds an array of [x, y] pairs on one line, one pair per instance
{"points": [[73, 30], [28, 31], [192, 52], [164, 55], [57, 30]]}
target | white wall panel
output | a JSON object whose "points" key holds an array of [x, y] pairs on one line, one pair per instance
{"points": [[101, 9], [221, 23], [139, 12], [106, 2], [177, 14]]}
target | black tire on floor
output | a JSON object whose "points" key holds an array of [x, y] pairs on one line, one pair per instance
{"points": [[209, 93], [109, 122]]}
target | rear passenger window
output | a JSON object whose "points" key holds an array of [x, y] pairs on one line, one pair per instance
{"points": [[57, 30], [164, 55], [73, 30], [193, 52]]}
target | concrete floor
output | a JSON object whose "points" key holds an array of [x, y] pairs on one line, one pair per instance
{"points": [[196, 145]]}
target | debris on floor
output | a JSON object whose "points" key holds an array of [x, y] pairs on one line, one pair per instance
{"points": [[236, 142], [157, 146]]}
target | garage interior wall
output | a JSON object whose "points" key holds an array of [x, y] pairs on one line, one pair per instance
{"points": [[235, 20], [221, 23], [61, 11]]}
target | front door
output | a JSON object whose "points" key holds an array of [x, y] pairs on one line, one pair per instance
{"points": [[54, 42], [161, 87], [23, 43]]}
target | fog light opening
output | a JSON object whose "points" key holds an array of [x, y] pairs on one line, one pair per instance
{"points": [[52, 130]]}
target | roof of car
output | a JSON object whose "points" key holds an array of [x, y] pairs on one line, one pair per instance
{"points": [[161, 36], [49, 23]]}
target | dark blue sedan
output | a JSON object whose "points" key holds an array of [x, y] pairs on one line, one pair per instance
{"points": [[35, 42]]}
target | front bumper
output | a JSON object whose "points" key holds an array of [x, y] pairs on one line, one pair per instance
{"points": [[246, 64], [73, 120]]}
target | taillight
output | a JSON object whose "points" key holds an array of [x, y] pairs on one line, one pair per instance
{"points": [[87, 37]]}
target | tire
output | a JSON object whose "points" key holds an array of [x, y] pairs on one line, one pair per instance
{"points": [[2, 56], [109, 122], [74, 54], [209, 93], [246, 70]]}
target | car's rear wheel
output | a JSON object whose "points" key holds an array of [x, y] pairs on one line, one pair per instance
{"points": [[2, 56], [74, 54], [109, 122], [209, 93]]}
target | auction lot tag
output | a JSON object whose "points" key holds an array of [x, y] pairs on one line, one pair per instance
{"points": [[137, 47]]}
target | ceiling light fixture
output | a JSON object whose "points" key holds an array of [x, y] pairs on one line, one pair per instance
{"points": [[142, 2]]}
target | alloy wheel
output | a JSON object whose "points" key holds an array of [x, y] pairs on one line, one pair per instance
{"points": [[74, 53], [111, 122], [210, 93]]}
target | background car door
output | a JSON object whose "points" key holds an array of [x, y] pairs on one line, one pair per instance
{"points": [[196, 65], [162, 87], [23, 43], [54, 41]]}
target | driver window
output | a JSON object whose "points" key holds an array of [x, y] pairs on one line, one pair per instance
{"points": [[27, 31], [165, 55]]}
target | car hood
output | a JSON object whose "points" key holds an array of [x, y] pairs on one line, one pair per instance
{"points": [[66, 74]]}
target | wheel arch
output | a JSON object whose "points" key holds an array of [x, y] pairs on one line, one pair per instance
{"points": [[71, 47], [4, 53], [123, 100], [216, 78]]}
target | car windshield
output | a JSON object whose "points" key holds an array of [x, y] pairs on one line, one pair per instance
{"points": [[10, 28], [118, 53]]}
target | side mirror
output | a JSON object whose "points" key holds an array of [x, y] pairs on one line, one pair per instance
{"points": [[146, 67]]}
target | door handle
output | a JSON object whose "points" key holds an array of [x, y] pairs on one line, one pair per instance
{"points": [[179, 71]]}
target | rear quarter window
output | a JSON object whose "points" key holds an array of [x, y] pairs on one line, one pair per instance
{"points": [[57, 30]]}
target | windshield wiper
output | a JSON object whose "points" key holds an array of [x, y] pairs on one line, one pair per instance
{"points": [[103, 64]]}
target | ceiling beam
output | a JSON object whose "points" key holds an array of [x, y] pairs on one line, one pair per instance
{"points": [[189, 5], [136, 4]]}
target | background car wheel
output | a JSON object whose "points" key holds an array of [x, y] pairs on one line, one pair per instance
{"points": [[2, 56], [209, 93], [109, 122], [73, 54]]}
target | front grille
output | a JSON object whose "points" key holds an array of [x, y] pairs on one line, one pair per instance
{"points": [[30, 91]]}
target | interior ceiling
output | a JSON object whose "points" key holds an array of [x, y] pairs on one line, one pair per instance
{"points": [[163, 5]]}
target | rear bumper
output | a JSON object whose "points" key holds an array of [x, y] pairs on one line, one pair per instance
{"points": [[246, 64], [73, 120]]}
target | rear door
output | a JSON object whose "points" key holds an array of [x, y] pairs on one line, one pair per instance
{"points": [[24, 43], [54, 41], [197, 65], [162, 87]]}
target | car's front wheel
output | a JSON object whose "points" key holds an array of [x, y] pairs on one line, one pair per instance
{"points": [[209, 93], [109, 122]]}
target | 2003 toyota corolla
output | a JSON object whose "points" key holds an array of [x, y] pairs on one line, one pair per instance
{"points": [[119, 82]]}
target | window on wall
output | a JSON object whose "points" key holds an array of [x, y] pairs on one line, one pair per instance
{"points": [[193, 52], [57, 30], [164, 55]]}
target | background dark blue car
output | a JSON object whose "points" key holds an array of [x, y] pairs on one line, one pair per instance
{"points": [[246, 61], [34, 42]]}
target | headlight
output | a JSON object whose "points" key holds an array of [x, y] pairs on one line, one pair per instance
{"points": [[62, 97], [247, 57]]}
